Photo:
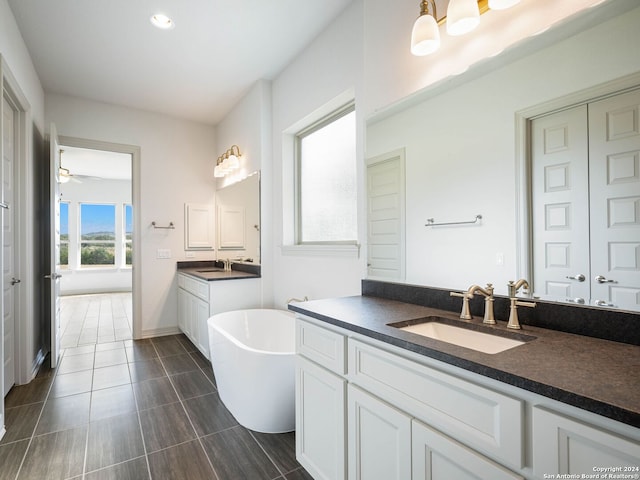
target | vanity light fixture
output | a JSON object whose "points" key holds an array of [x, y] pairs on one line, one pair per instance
{"points": [[462, 17], [425, 36], [228, 162], [162, 21]]}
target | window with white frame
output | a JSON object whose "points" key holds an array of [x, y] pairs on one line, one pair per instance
{"points": [[326, 189], [97, 234], [128, 229], [63, 259]]}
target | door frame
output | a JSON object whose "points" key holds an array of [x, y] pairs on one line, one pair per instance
{"points": [[523, 160], [28, 355], [136, 267]]}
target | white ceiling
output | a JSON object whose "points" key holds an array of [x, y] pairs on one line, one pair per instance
{"points": [[107, 50], [85, 162]]}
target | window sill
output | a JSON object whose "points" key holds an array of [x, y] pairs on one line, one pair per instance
{"points": [[347, 251], [106, 269]]}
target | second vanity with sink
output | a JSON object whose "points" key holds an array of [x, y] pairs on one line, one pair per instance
{"points": [[206, 288], [394, 390]]}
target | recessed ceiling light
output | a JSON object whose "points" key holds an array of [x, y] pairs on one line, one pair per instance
{"points": [[162, 21]]}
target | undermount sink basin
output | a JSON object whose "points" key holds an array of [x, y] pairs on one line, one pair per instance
{"points": [[464, 337], [211, 270]]}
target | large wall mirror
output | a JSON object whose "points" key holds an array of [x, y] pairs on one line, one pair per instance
{"points": [[466, 148], [238, 220]]}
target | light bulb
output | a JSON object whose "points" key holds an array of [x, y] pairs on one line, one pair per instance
{"points": [[425, 36], [462, 16]]}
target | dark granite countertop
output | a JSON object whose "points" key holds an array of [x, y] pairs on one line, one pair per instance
{"points": [[600, 376], [211, 270]]}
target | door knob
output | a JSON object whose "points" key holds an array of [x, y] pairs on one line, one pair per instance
{"points": [[579, 277], [579, 300], [601, 279], [603, 303], [15, 280], [53, 276]]}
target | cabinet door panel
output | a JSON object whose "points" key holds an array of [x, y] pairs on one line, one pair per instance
{"points": [[563, 445], [320, 421], [437, 457], [201, 315], [379, 439]]}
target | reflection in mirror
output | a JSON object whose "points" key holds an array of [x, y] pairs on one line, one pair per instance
{"points": [[585, 201], [464, 156], [238, 220]]}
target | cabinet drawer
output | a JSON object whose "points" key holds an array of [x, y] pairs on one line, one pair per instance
{"points": [[196, 287], [321, 345], [483, 419], [565, 445], [437, 457]]}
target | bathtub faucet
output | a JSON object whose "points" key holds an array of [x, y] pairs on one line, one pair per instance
{"points": [[305, 299]]}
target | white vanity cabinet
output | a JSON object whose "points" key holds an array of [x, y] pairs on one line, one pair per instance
{"points": [[198, 300], [405, 416], [321, 393], [562, 444], [193, 311]]}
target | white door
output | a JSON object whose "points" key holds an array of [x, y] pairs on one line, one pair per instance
{"points": [[614, 175], [8, 280], [385, 216], [54, 268], [560, 205]]}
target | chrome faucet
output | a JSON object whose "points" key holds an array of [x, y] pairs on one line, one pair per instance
{"points": [[227, 264], [488, 301]]}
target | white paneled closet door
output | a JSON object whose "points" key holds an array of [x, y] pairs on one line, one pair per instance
{"points": [[560, 207], [614, 174], [586, 202]]}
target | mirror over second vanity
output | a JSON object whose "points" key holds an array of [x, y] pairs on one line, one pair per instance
{"points": [[459, 152], [206, 287], [238, 220]]}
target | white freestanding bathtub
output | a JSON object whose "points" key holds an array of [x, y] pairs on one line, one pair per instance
{"points": [[253, 359]]}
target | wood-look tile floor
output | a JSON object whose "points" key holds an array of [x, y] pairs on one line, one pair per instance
{"points": [[129, 409]]}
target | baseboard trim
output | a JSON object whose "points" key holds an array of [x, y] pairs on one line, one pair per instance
{"points": [[160, 332]]}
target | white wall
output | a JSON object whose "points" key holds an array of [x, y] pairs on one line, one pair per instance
{"points": [[29, 325], [177, 159], [248, 125], [329, 67], [460, 152], [16, 55], [76, 281]]}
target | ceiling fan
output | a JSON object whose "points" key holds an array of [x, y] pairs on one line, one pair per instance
{"points": [[65, 175]]}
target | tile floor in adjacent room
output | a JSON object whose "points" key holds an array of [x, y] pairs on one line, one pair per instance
{"points": [[95, 318], [129, 409]]}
